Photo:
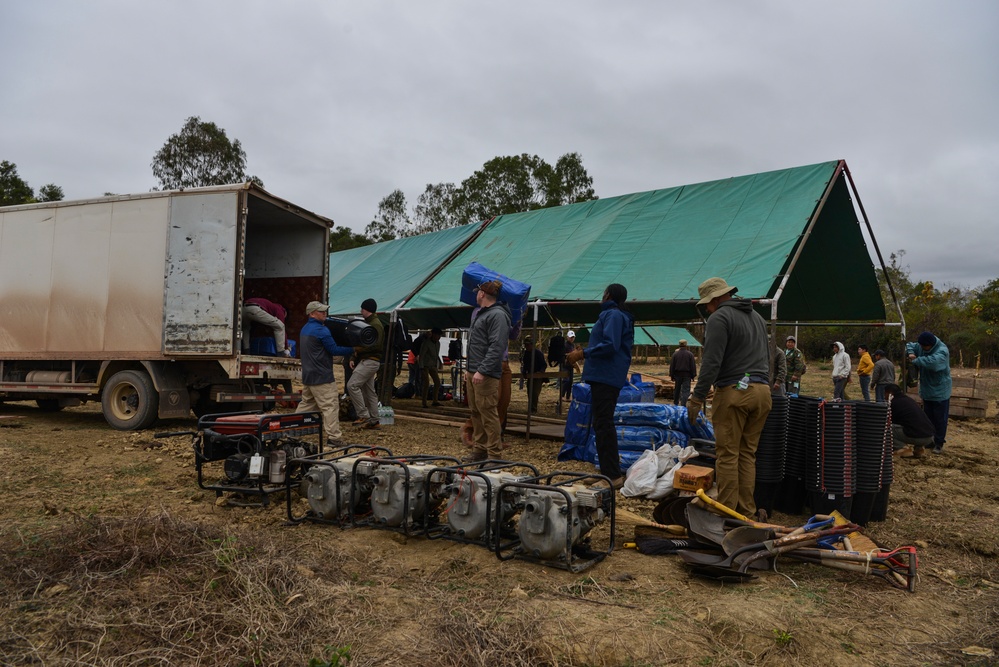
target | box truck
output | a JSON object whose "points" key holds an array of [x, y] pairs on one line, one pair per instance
{"points": [[135, 300]]}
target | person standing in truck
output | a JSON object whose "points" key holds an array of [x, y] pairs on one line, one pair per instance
{"points": [[317, 351], [367, 359], [271, 315]]}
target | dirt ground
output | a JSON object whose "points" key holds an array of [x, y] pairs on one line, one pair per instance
{"points": [[111, 555]]}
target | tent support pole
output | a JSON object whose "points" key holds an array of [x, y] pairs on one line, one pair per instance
{"points": [[870, 232]]}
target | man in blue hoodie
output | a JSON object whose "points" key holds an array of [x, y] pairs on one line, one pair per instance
{"points": [[608, 357], [736, 360], [932, 358]]}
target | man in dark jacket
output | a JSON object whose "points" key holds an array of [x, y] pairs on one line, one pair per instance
{"points": [[367, 359], [317, 351], [736, 360], [882, 375], [910, 427], [682, 369], [532, 361], [487, 341], [607, 360]]}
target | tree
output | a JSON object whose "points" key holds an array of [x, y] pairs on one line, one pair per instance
{"points": [[343, 238], [506, 184], [13, 189], [50, 192], [200, 154], [434, 209], [391, 220]]}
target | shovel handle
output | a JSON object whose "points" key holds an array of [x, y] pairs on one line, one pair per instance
{"points": [[724, 509]]}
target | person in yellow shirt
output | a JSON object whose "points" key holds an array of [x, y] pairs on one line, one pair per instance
{"points": [[864, 369]]}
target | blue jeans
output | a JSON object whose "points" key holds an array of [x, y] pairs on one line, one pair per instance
{"points": [[681, 391], [865, 387], [938, 412], [879, 393]]}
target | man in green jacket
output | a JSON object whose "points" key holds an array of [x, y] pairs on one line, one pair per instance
{"points": [[367, 359], [795, 366]]}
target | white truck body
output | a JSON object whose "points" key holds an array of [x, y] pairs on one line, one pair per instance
{"points": [[152, 283]]}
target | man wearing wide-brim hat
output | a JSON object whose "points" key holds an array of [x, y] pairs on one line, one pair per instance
{"points": [[736, 360]]}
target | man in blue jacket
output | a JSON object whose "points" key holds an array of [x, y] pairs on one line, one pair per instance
{"points": [[932, 358], [608, 357], [317, 351]]}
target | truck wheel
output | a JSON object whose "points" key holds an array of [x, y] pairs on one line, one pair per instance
{"points": [[130, 401], [48, 404]]}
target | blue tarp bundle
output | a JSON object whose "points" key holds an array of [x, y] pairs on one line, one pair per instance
{"points": [[515, 293], [641, 426]]}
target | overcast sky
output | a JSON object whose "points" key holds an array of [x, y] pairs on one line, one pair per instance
{"points": [[339, 103]]}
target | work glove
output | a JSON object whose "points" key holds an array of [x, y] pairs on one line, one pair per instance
{"points": [[694, 408], [574, 356]]}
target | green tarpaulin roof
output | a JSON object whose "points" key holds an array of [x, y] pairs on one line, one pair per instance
{"points": [[649, 335], [790, 236], [670, 336], [389, 272]]}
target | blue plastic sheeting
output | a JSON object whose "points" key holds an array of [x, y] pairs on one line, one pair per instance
{"points": [[673, 417], [638, 429]]}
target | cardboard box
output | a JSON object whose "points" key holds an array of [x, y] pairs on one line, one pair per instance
{"points": [[692, 478]]}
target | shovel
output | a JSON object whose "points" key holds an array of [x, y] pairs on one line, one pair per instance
{"points": [[707, 566], [704, 525]]}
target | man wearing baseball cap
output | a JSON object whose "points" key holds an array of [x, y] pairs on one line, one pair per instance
{"points": [[367, 359], [736, 361], [488, 338], [796, 366], [317, 351], [932, 357]]}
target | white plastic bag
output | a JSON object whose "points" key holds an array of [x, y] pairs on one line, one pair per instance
{"points": [[642, 475], [674, 457]]}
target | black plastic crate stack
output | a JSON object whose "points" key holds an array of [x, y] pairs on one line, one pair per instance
{"points": [[770, 454], [831, 469], [879, 512], [873, 431], [803, 432]]}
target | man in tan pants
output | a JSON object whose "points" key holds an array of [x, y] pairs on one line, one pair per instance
{"points": [[318, 349], [736, 360], [487, 340]]}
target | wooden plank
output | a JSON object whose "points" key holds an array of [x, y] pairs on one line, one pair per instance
{"points": [[542, 431]]}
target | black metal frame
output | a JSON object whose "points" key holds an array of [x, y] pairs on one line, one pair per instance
{"points": [[326, 459], [573, 557], [402, 462], [269, 428], [440, 529]]}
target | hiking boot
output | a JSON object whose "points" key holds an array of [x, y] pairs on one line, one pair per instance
{"points": [[373, 425], [917, 452], [359, 422], [904, 452], [333, 443], [938, 449], [475, 456]]}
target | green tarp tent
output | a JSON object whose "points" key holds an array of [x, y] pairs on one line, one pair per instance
{"points": [[389, 272], [788, 239]]}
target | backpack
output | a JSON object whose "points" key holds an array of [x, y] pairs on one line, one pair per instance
{"points": [[407, 390], [454, 349]]}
